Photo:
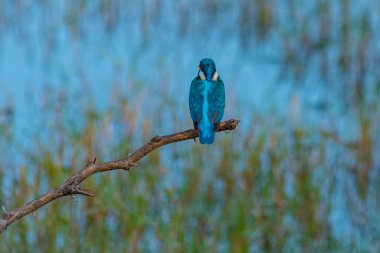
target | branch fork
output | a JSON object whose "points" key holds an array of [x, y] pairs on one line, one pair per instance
{"points": [[71, 186]]}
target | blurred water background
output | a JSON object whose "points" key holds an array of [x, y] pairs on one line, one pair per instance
{"points": [[99, 78]]}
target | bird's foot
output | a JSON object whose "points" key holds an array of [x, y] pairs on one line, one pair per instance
{"points": [[216, 127], [197, 131]]}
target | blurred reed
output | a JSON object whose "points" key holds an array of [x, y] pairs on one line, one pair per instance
{"points": [[272, 186]]}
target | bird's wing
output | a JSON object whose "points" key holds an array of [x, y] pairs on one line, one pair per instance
{"points": [[216, 100], [196, 99]]}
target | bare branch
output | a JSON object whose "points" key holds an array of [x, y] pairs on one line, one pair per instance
{"points": [[71, 185]]}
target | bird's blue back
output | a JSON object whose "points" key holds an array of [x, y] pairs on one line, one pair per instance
{"points": [[206, 101]]}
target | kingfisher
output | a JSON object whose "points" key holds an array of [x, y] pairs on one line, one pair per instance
{"points": [[207, 101]]}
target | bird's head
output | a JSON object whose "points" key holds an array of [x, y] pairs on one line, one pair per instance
{"points": [[207, 70]]}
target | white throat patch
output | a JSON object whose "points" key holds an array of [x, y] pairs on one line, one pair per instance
{"points": [[215, 77], [202, 76]]}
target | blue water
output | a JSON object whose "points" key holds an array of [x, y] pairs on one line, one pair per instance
{"points": [[88, 65]]}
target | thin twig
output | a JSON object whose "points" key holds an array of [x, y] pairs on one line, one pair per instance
{"points": [[71, 186]]}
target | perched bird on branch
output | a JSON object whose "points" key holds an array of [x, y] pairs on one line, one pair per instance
{"points": [[207, 101]]}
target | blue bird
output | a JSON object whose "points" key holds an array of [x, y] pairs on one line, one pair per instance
{"points": [[207, 101]]}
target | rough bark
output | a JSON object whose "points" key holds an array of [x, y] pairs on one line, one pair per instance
{"points": [[72, 185]]}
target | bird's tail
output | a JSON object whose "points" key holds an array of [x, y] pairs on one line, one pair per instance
{"points": [[206, 132]]}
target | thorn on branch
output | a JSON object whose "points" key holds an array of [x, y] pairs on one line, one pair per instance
{"points": [[156, 139], [5, 211], [74, 189], [91, 162], [84, 192]]}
